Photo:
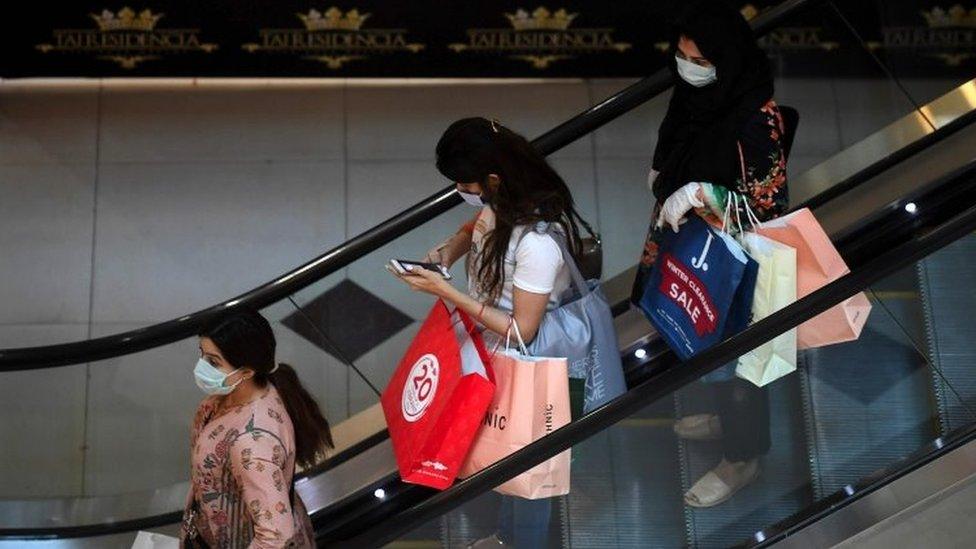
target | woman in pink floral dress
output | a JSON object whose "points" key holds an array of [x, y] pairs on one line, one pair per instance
{"points": [[247, 437]]}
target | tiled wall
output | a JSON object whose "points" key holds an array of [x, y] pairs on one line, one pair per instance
{"points": [[133, 204]]}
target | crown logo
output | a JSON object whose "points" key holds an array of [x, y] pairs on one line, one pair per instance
{"points": [[749, 12], [541, 19], [126, 19], [956, 16], [333, 19]]}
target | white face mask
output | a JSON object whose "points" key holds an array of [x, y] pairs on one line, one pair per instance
{"points": [[472, 199], [696, 75]]}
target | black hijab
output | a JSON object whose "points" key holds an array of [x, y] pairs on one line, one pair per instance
{"points": [[697, 139]]}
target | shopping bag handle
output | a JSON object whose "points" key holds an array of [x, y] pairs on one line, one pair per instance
{"points": [[498, 343], [513, 324]]}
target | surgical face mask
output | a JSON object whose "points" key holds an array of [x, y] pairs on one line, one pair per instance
{"points": [[210, 380], [696, 75], [472, 199]]}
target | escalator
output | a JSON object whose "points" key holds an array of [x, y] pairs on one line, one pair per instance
{"points": [[356, 499]]}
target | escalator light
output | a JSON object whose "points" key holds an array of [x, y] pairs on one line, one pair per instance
{"points": [[849, 490], [380, 493], [911, 207], [640, 354]]}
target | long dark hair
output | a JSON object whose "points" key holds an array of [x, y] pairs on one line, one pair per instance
{"points": [[246, 340], [529, 190]]}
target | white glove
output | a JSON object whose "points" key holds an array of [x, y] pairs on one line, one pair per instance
{"points": [[678, 204], [651, 178]]}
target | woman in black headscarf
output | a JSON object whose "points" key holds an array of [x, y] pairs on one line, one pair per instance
{"points": [[722, 134]]}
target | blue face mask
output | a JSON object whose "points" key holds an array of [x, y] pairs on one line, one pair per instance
{"points": [[210, 380]]}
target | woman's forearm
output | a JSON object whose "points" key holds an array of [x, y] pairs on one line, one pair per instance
{"points": [[490, 317], [456, 247]]}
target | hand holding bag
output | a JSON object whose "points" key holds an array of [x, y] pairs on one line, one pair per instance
{"points": [[701, 279]]}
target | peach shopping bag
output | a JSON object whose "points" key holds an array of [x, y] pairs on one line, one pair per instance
{"points": [[531, 400], [817, 264]]}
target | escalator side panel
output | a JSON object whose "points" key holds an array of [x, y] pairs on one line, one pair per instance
{"points": [[946, 283], [868, 404], [783, 486]]}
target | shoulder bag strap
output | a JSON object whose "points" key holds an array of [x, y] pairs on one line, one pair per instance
{"points": [[579, 283]]}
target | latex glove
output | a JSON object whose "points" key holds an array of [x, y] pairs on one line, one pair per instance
{"points": [[651, 178], [678, 204]]}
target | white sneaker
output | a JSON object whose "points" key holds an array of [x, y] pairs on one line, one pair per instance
{"points": [[490, 542]]}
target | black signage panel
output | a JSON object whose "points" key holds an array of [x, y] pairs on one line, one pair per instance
{"points": [[453, 39]]}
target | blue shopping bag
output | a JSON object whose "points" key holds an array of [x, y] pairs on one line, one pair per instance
{"points": [[694, 287], [739, 317]]}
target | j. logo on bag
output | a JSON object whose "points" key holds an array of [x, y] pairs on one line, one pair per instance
{"points": [[699, 262], [420, 388], [686, 291]]}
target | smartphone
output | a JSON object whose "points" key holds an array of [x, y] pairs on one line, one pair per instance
{"points": [[404, 266]]}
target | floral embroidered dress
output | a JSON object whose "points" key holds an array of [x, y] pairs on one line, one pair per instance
{"points": [[764, 185], [243, 461]]}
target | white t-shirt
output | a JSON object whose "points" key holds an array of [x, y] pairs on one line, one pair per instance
{"points": [[536, 265]]}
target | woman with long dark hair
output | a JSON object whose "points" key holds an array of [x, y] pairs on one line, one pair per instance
{"points": [[513, 270], [257, 424], [502, 174], [722, 134]]}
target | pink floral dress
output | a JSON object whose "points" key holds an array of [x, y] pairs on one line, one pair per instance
{"points": [[243, 461]]}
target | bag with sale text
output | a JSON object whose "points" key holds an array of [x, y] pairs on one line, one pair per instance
{"points": [[437, 398], [691, 292]]}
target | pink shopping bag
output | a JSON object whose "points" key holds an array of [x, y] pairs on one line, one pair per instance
{"points": [[531, 400], [817, 264]]}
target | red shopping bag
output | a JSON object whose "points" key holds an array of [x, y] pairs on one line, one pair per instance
{"points": [[437, 398]]}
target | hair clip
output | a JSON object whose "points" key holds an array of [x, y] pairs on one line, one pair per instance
{"points": [[494, 125]]}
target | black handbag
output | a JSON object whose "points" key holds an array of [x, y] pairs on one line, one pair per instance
{"points": [[591, 259]]}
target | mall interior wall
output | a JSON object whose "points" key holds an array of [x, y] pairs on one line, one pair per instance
{"points": [[124, 204]]}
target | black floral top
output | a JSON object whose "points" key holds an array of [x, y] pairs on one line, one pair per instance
{"points": [[763, 184]]}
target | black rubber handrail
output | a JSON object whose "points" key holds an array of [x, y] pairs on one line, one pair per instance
{"points": [[29, 358], [947, 212]]}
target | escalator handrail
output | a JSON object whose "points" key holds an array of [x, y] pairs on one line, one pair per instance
{"points": [[861, 489], [668, 380], [79, 352]]}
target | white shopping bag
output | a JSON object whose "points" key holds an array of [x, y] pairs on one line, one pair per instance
{"points": [[152, 540], [775, 289]]}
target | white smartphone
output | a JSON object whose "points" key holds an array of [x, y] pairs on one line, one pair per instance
{"points": [[404, 266]]}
